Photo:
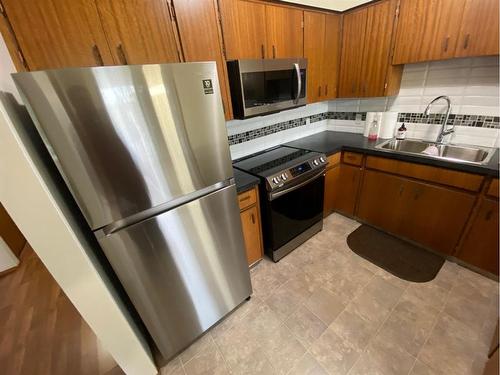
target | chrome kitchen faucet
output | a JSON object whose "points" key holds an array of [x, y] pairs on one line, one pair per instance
{"points": [[443, 131]]}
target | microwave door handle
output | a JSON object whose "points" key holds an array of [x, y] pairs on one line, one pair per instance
{"points": [[299, 83]]}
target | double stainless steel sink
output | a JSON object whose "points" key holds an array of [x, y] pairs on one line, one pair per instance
{"points": [[454, 153]]}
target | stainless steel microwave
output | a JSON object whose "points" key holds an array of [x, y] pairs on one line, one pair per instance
{"points": [[262, 86]]}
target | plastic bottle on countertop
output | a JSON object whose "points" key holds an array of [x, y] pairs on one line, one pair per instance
{"points": [[401, 133], [373, 132]]}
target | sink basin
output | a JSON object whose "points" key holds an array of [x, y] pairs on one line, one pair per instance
{"points": [[449, 152]]}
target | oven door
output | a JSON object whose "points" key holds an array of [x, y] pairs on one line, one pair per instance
{"points": [[293, 211]]}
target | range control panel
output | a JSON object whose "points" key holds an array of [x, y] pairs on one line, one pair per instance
{"points": [[287, 176]]}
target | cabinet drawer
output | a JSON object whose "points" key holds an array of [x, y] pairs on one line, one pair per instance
{"points": [[333, 160], [247, 198], [352, 158], [251, 234], [462, 180], [493, 189]]}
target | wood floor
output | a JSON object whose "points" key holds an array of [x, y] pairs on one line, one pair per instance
{"points": [[41, 332]]}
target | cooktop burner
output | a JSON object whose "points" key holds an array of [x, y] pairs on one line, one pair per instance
{"points": [[269, 160]]}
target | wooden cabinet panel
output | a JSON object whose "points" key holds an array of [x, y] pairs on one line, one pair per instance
{"points": [[353, 33], [352, 158], [58, 33], [244, 29], [247, 198], [380, 203], [430, 215], [284, 32], [479, 30], [434, 216], [314, 42], [200, 39], [379, 25], [139, 32], [480, 247], [251, 234], [341, 187], [331, 55], [463, 180], [10, 233], [333, 160], [493, 188], [332, 180], [427, 30]]}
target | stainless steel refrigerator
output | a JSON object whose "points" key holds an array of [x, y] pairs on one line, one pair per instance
{"points": [[144, 151]]}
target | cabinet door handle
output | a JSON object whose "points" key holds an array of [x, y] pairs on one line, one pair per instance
{"points": [[97, 55], [445, 44], [401, 189], [262, 51], [326, 90], [466, 41], [121, 54], [488, 215], [245, 198], [253, 219], [274, 52]]}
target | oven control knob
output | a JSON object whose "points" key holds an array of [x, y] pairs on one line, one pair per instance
{"points": [[276, 180], [316, 162], [284, 177], [322, 159]]}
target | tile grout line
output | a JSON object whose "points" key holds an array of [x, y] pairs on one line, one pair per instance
{"points": [[221, 354]]}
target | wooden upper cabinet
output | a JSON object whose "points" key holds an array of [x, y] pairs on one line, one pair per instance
{"points": [[201, 41], [140, 31], [353, 35], [58, 33], [427, 30], [331, 55], [314, 42], [377, 48], [479, 30], [284, 32], [244, 29]]}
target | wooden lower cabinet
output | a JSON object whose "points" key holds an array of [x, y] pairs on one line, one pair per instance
{"points": [[480, 246], [251, 224], [341, 186], [11, 233], [431, 215]]}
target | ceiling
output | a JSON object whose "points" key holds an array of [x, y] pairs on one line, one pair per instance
{"points": [[338, 5]]}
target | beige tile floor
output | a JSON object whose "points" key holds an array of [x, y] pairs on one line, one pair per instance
{"points": [[324, 310]]}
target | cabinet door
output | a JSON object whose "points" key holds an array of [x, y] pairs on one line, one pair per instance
{"points": [[285, 36], [139, 32], [434, 216], [480, 247], [332, 178], [58, 33], [479, 31], [251, 234], [200, 39], [353, 34], [380, 20], [244, 29], [345, 189], [331, 56], [314, 44], [380, 200], [10, 233], [427, 30]]}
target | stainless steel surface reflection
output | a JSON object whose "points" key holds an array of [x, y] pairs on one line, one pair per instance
{"points": [[183, 269], [449, 152], [127, 138]]}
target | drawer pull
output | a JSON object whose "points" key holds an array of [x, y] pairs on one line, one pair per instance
{"points": [[245, 198], [253, 219]]}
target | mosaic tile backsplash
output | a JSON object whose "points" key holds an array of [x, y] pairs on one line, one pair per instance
{"points": [[457, 120]]}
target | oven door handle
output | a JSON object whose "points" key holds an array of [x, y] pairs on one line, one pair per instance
{"points": [[273, 196], [299, 82]]}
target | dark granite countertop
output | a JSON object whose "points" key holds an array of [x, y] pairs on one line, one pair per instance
{"points": [[330, 142], [244, 181]]}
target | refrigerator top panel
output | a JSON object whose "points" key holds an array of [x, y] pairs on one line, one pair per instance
{"points": [[128, 138]]}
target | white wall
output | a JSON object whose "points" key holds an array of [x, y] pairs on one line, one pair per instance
{"points": [[36, 206]]}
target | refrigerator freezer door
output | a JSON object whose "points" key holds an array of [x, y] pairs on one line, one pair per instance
{"points": [[183, 269], [128, 138]]}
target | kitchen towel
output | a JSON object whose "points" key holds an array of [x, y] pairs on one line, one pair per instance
{"points": [[370, 116], [387, 126]]}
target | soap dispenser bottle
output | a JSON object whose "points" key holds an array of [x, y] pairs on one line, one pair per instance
{"points": [[373, 132], [401, 133]]}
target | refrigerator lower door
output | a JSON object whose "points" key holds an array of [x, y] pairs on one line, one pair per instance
{"points": [[183, 269]]}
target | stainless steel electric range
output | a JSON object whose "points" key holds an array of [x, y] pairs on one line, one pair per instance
{"points": [[291, 191]]}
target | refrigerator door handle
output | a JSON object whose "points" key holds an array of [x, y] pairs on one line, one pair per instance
{"points": [[153, 211]]}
